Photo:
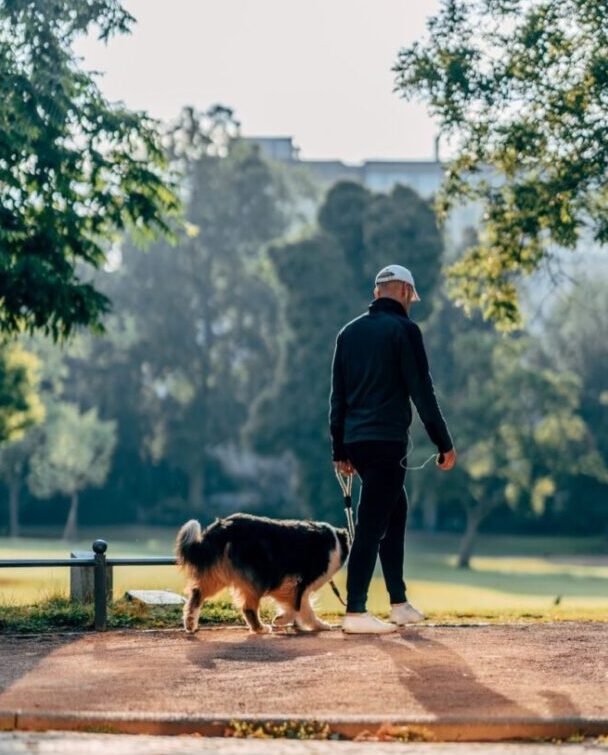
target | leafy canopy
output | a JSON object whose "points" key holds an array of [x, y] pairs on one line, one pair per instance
{"points": [[205, 343], [522, 88], [20, 405], [75, 170]]}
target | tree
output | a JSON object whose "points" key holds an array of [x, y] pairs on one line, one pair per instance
{"points": [[14, 458], [518, 423], [521, 88], [402, 226], [572, 328], [205, 314], [20, 409], [342, 215], [75, 453], [75, 170], [293, 415], [572, 339], [374, 230]]}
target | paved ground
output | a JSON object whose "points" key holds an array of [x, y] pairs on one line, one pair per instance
{"points": [[491, 671], [450, 682], [100, 744]]}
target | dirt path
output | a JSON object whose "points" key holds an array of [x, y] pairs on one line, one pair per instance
{"points": [[431, 673]]}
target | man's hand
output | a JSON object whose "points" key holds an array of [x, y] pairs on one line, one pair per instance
{"points": [[345, 468], [449, 459]]}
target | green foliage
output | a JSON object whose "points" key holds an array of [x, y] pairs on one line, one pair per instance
{"points": [[402, 226], [521, 87], [75, 451], [195, 333], [572, 330], [374, 230], [20, 404], [75, 170], [533, 436], [517, 421], [293, 416]]}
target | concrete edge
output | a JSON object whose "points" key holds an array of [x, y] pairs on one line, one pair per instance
{"points": [[454, 729], [8, 721]]}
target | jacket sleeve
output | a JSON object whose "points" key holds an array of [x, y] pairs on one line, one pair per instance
{"points": [[415, 369], [337, 405]]}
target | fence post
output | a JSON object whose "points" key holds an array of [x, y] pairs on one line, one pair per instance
{"points": [[100, 589], [81, 580]]}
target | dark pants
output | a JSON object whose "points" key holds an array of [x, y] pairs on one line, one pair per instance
{"points": [[381, 519]]}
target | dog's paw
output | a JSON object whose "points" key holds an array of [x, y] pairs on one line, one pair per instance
{"points": [[323, 626], [190, 625], [260, 629], [283, 620]]}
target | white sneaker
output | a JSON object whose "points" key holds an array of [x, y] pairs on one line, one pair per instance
{"points": [[365, 623], [405, 613]]}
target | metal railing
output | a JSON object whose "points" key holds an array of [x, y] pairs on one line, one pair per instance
{"points": [[99, 563]]}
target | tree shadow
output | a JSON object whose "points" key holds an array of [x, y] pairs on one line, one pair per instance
{"points": [[21, 654], [559, 703]]}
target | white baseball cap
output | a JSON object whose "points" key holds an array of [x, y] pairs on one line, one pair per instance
{"points": [[397, 273]]}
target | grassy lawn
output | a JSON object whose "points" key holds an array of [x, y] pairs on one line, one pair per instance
{"points": [[511, 577]]}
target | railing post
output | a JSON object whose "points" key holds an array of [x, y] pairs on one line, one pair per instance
{"points": [[100, 589]]}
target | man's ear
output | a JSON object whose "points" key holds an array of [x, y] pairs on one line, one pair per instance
{"points": [[376, 292]]}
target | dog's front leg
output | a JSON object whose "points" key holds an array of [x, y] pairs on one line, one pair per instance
{"points": [[252, 617]]}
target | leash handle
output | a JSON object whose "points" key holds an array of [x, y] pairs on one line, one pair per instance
{"points": [[346, 485], [345, 482]]}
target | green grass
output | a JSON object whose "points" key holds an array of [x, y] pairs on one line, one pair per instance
{"points": [[511, 578], [58, 614]]}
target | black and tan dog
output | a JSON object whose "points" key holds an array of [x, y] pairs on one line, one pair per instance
{"points": [[255, 556]]}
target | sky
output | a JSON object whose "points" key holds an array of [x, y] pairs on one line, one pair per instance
{"points": [[317, 70]]}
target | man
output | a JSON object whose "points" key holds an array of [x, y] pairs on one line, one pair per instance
{"points": [[379, 363]]}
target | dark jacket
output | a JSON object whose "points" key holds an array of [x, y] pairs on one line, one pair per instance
{"points": [[379, 363]]}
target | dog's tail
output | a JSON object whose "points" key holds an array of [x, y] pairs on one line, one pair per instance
{"points": [[188, 542], [194, 547]]}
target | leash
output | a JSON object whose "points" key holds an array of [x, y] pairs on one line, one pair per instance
{"points": [[423, 465], [346, 486], [336, 592]]}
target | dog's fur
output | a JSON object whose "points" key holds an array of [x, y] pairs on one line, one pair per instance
{"points": [[256, 556]]}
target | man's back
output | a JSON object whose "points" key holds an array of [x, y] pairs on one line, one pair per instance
{"points": [[379, 362], [378, 406]]}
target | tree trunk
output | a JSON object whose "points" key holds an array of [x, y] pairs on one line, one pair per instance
{"points": [[14, 488], [474, 518], [71, 526], [195, 489]]}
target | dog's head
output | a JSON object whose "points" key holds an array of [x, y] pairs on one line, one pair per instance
{"points": [[344, 540]]}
